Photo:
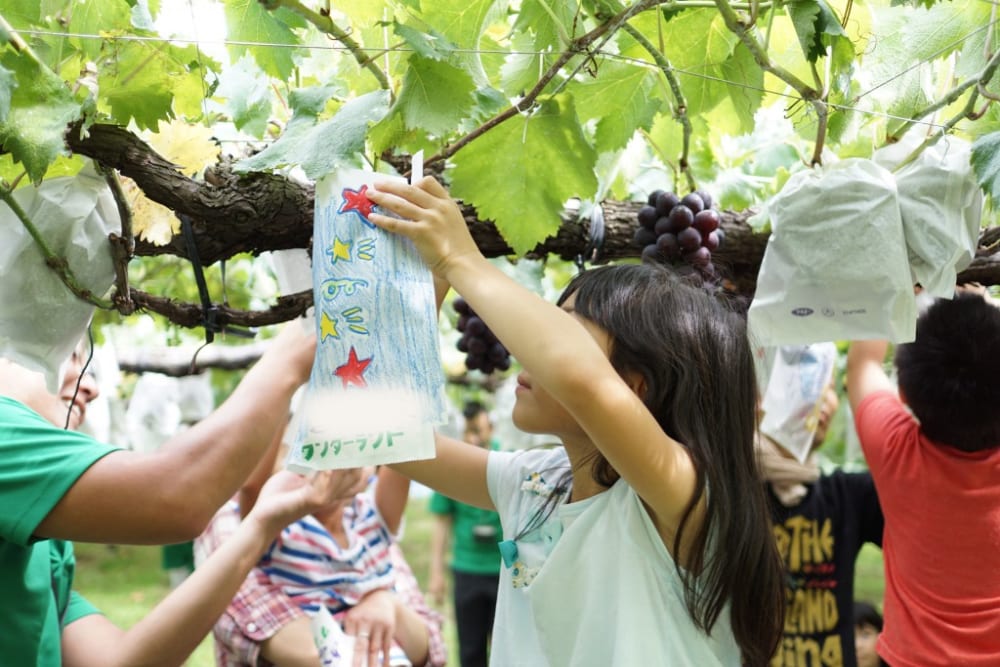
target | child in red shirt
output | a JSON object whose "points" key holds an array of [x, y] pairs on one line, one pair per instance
{"points": [[933, 448]]}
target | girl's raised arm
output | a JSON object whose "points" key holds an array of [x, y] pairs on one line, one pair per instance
{"points": [[558, 349]]}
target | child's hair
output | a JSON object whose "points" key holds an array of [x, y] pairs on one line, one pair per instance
{"points": [[472, 409], [693, 353], [865, 613], [950, 374]]}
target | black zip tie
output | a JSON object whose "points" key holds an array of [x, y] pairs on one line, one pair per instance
{"points": [[209, 316]]}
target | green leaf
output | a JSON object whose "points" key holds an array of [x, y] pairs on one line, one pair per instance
{"points": [[621, 98], [141, 82], [435, 95], [248, 94], [312, 101], [321, 148], [7, 86], [95, 18], [551, 21], [461, 21], [813, 20], [40, 108], [697, 45], [430, 44], [544, 159], [520, 71], [745, 81], [269, 40], [986, 163], [21, 13]]}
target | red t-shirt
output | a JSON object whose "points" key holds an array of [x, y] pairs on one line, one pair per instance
{"points": [[941, 543]]}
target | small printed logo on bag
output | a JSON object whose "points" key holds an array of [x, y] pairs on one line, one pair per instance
{"points": [[802, 312], [829, 312]]}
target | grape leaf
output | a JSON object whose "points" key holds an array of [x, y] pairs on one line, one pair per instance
{"points": [[697, 58], [248, 95], [319, 148], [551, 21], [95, 18], [21, 13], [7, 85], [39, 109], [430, 44], [620, 98], [141, 82], [263, 34], [545, 160], [520, 70], [816, 25], [435, 95], [986, 163], [461, 21]]}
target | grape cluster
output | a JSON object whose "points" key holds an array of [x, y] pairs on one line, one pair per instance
{"points": [[680, 230], [483, 352]]}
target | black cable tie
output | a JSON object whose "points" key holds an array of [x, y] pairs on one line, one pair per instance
{"points": [[209, 313]]}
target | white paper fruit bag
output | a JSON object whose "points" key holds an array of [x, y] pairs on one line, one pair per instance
{"points": [[42, 319], [377, 389], [941, 206], [799, 376], [835, 266]]}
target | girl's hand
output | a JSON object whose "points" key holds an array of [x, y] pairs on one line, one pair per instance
{"points": [[431, 219], [373, 622], [287, 496]]}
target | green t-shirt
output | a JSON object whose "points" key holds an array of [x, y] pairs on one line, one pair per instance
{"points": [[475, 533], [38, 464]]}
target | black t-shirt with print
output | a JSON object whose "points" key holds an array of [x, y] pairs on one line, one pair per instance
{"points": [[819, 540]]}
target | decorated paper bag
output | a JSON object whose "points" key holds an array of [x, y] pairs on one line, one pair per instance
{"points": [[42, 320], [835, 266], [791, 404], [941, 206], [376, 390]]}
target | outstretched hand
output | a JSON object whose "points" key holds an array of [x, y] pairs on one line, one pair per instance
{"points": [[287, 496], [431, 219]]}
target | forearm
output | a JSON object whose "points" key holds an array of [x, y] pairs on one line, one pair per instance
{"points": [[439, 544], [865, 373], [175, 627], [411, 633]]}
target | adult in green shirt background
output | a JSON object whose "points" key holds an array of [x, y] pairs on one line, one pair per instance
{"points": [[475, 557]]}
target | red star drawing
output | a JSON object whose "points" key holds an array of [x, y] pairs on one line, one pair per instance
{"points": [[353, 371], [356, 201]]}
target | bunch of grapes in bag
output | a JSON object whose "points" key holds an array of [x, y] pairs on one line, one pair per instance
{"points": [[680, 230], [483, 352]]}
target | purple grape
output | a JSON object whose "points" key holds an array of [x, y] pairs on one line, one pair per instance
{"points": [[666, 202], [643, 237], [694, 202], [663, 226], [651, 253], [475, 326], [461, 306], [706, 221], [463, 343], [647, 216], [478, 346], [689, 238], [474, 362], [496, 353], [700, 257], [504, 363], [667, 245], [711, 240], [706, 198], [681, 218], [651, 199]]}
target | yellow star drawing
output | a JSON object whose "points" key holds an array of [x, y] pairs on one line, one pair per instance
{"points": [[328, 327], [340, 250]]}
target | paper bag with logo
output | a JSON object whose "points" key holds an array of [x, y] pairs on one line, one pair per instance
{"points": [[835, 266]]}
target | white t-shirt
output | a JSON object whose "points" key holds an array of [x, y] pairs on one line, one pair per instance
{"points": [[592, 586]]}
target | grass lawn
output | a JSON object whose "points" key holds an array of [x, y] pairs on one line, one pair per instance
{"points": [[125, 582]]}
